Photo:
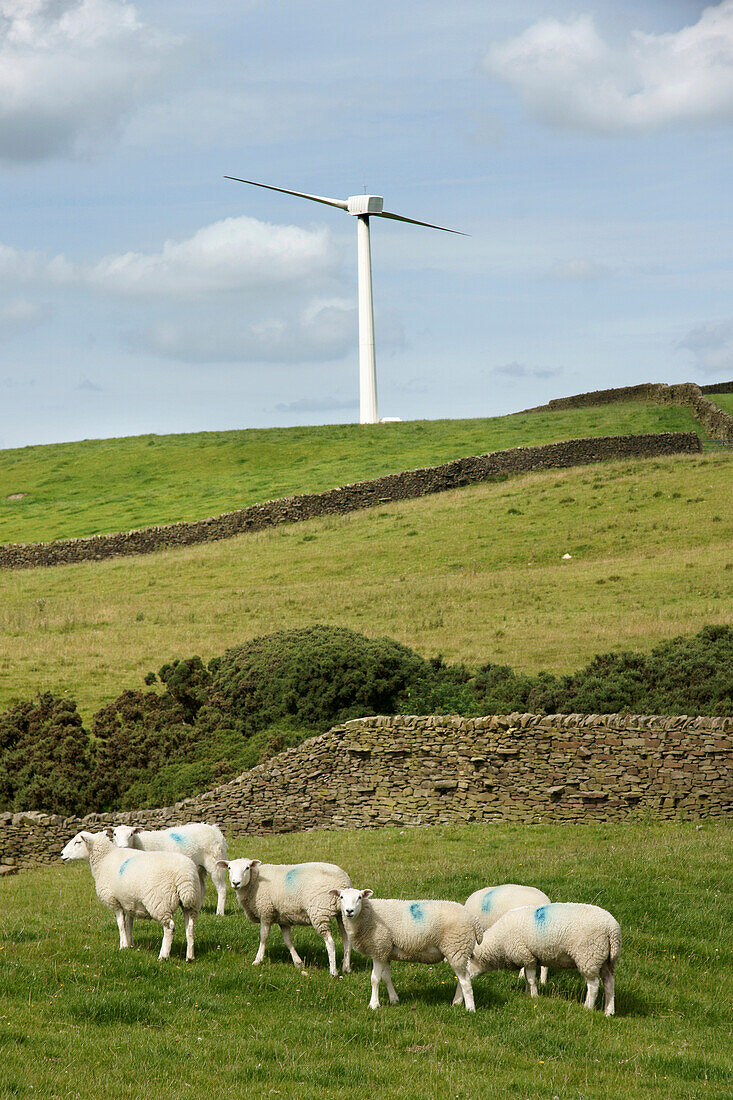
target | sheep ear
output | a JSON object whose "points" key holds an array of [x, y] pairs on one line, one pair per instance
{"points": [[335, 893], [367, 893], [137, 829], [109, 833], [222, 863], [255, 862]]}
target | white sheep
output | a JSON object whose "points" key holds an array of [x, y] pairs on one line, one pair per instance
{"points": [[204, 844], [491, 902], [566, 935], [415, 931], [141, 884], [288, 894]]}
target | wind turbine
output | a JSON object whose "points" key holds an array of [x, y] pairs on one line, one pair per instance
{"points": [[362, 207]]}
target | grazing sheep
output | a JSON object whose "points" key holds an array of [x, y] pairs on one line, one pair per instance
{"points": [[288, 894], [416, 931], [491, 902], [141, 884], [204, 844], [566, 935]]}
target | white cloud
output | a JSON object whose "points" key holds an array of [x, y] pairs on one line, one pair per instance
{"points": [[711, 347], [324, 330], [520, 370], [236, 254], [18, 315], [72, 72], [579, 270], [569, 76]]}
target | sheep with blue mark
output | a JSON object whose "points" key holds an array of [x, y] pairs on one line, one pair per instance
{"points": [[568, 935], [141, 884], [204, 844], [491, 902], [291, 894], [415, 931]]}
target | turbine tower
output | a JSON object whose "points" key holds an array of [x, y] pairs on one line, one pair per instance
{"points": [[362, 207]]}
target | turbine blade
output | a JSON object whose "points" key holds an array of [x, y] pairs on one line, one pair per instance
{"points": [[340, 203], [413, 221]]}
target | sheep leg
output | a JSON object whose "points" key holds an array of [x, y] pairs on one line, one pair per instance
{"points": [[530, 973], [331, 949], [189, 917], [458, 995], [543, 975], [346, 965], [609, 1006], [593, 984], [121, 918], [464, 984], [288, 938], [264, 933], [165, 949], [377, 972], [393, 998], [128, 928], [219, 878]]}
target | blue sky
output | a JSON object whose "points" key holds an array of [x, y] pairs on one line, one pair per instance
{"points": [[585, 147]]}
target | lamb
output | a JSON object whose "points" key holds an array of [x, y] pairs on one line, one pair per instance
{"points": [[141, 884], [492, 902], [566, 935], [288, 894], [204, 844], [416, 931]]}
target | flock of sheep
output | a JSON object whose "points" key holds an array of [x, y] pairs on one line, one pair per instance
{"points": [[146, 873]]}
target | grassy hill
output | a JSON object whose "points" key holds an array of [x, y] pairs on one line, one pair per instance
{"points": [[476, 574], [96, 486], [80, 1018]]}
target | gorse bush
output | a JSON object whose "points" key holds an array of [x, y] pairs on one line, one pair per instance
{"points": [[202, 725]]}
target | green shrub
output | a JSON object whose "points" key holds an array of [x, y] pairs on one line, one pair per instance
{"points": [[44, 757], [312, 678]]}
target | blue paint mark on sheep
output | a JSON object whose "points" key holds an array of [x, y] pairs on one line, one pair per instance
{"points": [[540, 916], [292, 876], [416, 911], [178, 837], [123, 865], [487, 900]]}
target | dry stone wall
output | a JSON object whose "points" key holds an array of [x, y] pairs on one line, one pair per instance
{"points": [[349, 498], [408, 770]]}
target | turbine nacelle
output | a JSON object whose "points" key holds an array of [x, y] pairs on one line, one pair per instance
{"points": [[364, 204]]}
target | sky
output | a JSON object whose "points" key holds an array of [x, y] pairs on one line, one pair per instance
{"points": [[584, 147]]}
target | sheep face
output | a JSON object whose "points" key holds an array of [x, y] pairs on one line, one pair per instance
{"points": [[350, 901], [124, 835], [77, 848], [240, 871]]}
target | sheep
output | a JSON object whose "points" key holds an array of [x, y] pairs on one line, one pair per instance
{"points": [[288, 894], [491, 902], [415, 931], [204, 844], [568, 935], [141, 884]]}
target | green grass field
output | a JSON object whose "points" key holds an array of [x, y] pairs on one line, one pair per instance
{"points": [[97, 486], [724, 400], [80, 1019], [476, 574]]}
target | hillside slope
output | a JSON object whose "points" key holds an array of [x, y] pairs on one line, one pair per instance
{"points": [[98, 486], [476, 574]]}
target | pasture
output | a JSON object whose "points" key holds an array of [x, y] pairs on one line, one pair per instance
{"points": [[80, 1019], [476, 574], [95, 486]]}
